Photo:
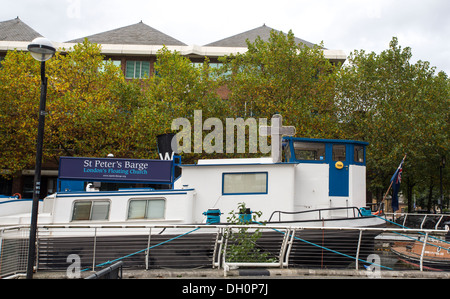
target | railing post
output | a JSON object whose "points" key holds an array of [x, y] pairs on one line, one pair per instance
{"points": [[95, 249], [358, 249], [423, 251], [423, 221], [218, 245], [147, 252]]}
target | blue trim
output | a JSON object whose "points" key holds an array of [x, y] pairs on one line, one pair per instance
{"points": [[240, 164], [326, 140], [18, 200], [123, 193], [245, 193], [350, 146]]}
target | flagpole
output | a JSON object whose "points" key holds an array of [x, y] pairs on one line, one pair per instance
{"points": [[390, 186]]}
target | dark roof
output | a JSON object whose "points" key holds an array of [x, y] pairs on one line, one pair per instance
{"points": [[239, 40], [137, 34], [16, 30]]}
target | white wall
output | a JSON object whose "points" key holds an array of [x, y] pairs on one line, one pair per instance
{"points": [[357, 186], [207, 181]]}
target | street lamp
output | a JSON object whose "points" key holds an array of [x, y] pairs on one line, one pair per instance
{"points": [[42, 50]]}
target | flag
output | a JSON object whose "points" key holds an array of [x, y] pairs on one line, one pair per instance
{"points": [[396, 180]]}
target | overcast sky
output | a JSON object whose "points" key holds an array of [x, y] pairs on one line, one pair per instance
{"points": [[423, 25]]}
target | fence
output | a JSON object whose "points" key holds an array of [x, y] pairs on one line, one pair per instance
{"points": [[13, 251], [225, 247]]}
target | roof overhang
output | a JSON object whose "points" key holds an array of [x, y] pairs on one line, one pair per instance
{"points": [[151, 50]]}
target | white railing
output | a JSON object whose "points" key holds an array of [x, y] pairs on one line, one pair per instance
{"points": [[193, 246], [410, 220]]}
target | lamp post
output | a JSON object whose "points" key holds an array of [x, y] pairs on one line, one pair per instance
{"points": [[441, 198], [42, 50]]}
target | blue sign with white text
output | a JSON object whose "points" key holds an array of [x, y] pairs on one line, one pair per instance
{"points": [[112, 169]]}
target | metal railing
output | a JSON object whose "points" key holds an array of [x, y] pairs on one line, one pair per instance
{"points": [[13, 250], [423, 221], [206, 246], [112, 272], [349, 212]]}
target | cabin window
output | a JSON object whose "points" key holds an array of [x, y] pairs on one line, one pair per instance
{"points": [[359, 154], [309, 151], [339, 152], [146, 209], [244, 183], [90, 210]]}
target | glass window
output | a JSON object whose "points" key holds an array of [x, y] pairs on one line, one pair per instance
{"points": [[137, 69], [90, 210], [105, 62], [146, 209], [339, 152], [309, 151], [244, 183], [155, 209], [82, 210], [100, 210], [359, 154], [136, 210]]}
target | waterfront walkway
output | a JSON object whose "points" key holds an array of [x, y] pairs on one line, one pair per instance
{"points": [[258, 273]]}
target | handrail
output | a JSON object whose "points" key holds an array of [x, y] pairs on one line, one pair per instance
{"points": [[111, 272], [316, 210]]}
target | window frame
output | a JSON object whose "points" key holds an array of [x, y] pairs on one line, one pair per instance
{"points": [[246, 193], [335, 150], [322, 145], [355, 150], [75, 202], [147, 200], [141, 73]]}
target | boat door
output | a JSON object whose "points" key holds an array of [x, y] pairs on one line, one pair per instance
{"points": [[339, 169]]}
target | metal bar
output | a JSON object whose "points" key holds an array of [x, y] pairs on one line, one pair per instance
{"points": [[374, 229], [105, 273], [291, 242], [218, 247], [437, 223], [423, 251], [423, 221], [95, 249], [357, 251], [243, 264], [147, 253], [283, 248]]}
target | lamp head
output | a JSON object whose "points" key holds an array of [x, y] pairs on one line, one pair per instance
{"points": [[41, 49]]}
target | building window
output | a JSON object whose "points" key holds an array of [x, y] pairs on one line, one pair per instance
{"points": [[117, 63], [359, 154], [146, 209], [90, 210], [244, 183], [137, 69], [309, 151]]}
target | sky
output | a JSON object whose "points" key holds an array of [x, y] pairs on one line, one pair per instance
{"points": [[348, 25]]}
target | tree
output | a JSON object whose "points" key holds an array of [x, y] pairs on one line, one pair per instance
{"points": [[280, 76], [85, 116], [399, 108], [177, 89], [19, 83]]}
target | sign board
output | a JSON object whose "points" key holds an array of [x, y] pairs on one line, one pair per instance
{"points": [[112, 169]]}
